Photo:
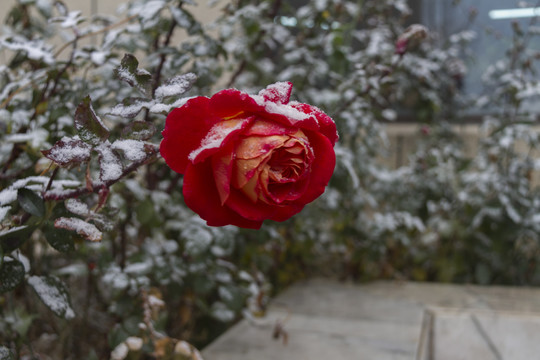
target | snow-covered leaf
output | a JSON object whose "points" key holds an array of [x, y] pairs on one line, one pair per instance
{"points": [[131, 107], [85, 229], [139, 78], [176, 86], [52, 291], [68, 151]]}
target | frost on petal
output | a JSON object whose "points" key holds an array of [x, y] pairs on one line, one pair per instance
{"points": [[68, 151], [217, 136], [279, 92], [293, 115], [81, 227]]}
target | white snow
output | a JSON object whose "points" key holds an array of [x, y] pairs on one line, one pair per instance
{"points": [[134, 343], [81, 227], [69, 150], [120, 352], [10, 194], [109, 163], [288, 111], [77, 207], [52, 297], [133, 149], [35, 49], [217, 134], [176, 86]]}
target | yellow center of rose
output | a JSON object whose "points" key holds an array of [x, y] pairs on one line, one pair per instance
{"points": [[272, 168]]}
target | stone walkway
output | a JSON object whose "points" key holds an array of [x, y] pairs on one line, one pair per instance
{"points": [[326, 319]]}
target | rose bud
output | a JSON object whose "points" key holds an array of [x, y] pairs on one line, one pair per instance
{"points": [[248, 158]]}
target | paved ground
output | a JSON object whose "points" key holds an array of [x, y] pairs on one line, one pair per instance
{"points": [[326, 319]]}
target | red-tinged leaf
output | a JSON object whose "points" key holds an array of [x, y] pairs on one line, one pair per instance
{"points": [[90, 127], [68, 151]]}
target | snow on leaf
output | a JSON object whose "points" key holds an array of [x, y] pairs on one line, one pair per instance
{"points": [[81, 227], [131, 107], [176, 86], [110, 166], [35, 49], [139, 78], [68, 151], [52, 291], [70, 20], [220, 311], [149, 10], [77, 207], [133, 150]]}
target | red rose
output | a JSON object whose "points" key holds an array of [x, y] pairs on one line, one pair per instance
{"points": [[247, 158]]}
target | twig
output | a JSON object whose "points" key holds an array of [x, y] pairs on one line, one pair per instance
{"points": [[52, 196]]}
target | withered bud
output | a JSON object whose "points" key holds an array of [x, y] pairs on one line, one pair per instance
{"points": [[412, 36]]}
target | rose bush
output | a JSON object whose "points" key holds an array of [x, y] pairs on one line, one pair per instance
{"points": [[247, 158]]}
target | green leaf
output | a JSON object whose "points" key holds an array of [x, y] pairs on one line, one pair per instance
{"points": [[31, 202], [89, 126], [60, 239], [139, 130], [138, 78], [13, 238], [11, 275], [52, 291], [6, 354]]}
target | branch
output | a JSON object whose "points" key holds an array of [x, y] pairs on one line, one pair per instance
{"points": [[51, 195]]}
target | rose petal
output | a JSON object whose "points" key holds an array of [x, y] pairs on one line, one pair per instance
{"points": [[279, 92], [231, 103], [265, 128], [185, 128], [326, 125], [222, 165], [217, 137], [255, 146], [260, 211], [201, 196], [322, 166]]}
